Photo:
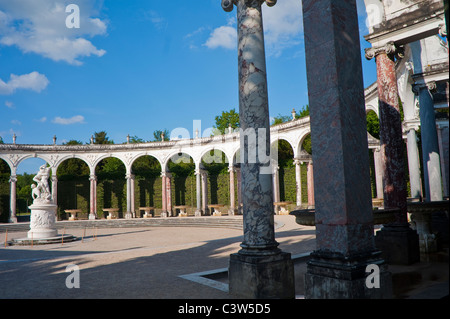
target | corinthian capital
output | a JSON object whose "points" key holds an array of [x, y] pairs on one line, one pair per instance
{"points": [[389, 48], [227, 5]]}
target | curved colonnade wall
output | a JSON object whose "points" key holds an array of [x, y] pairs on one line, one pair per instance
{"points": [[294, 132]]}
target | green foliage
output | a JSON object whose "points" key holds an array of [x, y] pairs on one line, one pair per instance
{"points": [[225, 119], [157, 135], [73, 142], [102, 138], [373, 124]]}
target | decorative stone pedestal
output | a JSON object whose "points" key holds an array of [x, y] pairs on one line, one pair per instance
{"points": [[42, 221], [261, 277]]}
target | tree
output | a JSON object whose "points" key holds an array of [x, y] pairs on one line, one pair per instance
{"points": [[373, 124], [223, 121], [73, 142], [157, 135], [134, 140], [102, 138]]}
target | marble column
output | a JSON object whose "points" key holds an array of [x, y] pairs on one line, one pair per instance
{"points": [[54, 186], [276, 186], [13, 198], [204, 175], [260, 269], [413, 164], [239, 186], [169, 194], [133, 197], [343, 201], [128, 182], [378, 165], [163, 195], [430, 146], [198, 192], [93, 197], [310, 183], [398, 242], [232, 209], [298, 182], [443, 147]]}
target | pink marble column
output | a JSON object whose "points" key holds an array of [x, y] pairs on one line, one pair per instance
{"points": [[169, 193], [93, 197], [343, 205], [394, 192], [398, 242], [298, 182], [13, 199], [163, 195], [232, 209], [310, 184]]}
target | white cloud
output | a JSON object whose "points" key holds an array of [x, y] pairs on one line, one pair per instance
{"points": [[33, 81], [77, 119], [283, 27], [224, 36], [42, 119], [9, 104], [16, 122], [39, 27]]}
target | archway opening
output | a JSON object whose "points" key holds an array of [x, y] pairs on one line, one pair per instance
{"points": [[147, 175], [5, 173], [215, 162], [73, 187], [183, 193], [111, 186]]}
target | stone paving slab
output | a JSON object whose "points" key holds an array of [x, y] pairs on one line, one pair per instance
{"points": [[141, 262], [153, 262]]}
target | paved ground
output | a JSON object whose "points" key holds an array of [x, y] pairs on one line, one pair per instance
{"points": [[142, 262]]}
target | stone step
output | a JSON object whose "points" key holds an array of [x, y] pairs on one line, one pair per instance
{"points": [[214, 222]]}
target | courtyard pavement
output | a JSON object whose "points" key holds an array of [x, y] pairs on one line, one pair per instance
{"points": [[149, 262]]}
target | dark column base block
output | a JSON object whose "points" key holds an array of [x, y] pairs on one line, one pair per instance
{"points": [[338, 277], [265, 277], [399, 245]]}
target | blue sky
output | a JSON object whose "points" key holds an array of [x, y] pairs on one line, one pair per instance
{"points": [[136, 66]]}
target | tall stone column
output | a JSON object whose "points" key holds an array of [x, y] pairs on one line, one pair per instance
{"points": [[204, 175], [169, 193], [413, 164], [13, 198], [239, 187], [298, 182], [343, 206], [430, 145], [232, 209], [443, 150], [276, 186], [93, 197], [133, 197], [310, 183], [128, 183], [54, 184], [398, 242], [163, 195], [378, 164], [259, 269], [198, 211]]}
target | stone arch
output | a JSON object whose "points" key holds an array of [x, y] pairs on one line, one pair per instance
{"points": [[300, 149], [67, 157]]}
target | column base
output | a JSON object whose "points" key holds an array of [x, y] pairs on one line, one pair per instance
{"points": [[128, 215], [198, 213], [261, 277], [331, 277], [399, 244], [92, 216]]}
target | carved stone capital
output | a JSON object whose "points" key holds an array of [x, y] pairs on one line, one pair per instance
{"points": [[389, 48], [227, 5], [430, 86]]}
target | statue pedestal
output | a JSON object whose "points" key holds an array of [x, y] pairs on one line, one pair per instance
{"points": [[42, 221]]}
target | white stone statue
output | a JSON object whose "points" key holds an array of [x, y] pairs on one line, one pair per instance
{"points": [[41, 192]]}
